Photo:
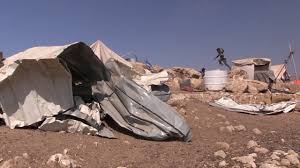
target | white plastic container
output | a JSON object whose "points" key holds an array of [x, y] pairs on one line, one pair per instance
{"points": [[215, 80]]}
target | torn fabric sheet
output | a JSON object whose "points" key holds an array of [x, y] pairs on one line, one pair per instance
{"points": [[82, 120], [230, 105], [55, 124], [31, 90], [152, 79], [37, 83]]}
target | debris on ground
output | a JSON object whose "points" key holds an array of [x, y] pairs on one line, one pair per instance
{"points": [[56, 76], [91, 90], [230, 105]]}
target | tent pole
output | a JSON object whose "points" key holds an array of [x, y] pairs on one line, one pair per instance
{"points": [[294, 64]]}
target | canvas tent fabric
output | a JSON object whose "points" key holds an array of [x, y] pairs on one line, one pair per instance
{"points": [[105, 54], [31, 90], [279, 71], [230, 105], [152, 79], [81, 120], [37, 53], [51, 75], [76, 57], [37, 83]]}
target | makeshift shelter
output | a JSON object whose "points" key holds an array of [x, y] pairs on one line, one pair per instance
{"points": [[37, 87], [256, 68], [37, 83], [280, 72]]}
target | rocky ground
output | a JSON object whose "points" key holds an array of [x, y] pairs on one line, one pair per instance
{"points": [[220, 139]]}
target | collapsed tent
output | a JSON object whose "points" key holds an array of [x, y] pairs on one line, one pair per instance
{"points": [[152, 82], [230, 105], [37, 87]]}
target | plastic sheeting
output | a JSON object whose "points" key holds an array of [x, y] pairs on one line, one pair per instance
{"points": [[82, 120], [230, 105], [152, 79], [138, 111]]}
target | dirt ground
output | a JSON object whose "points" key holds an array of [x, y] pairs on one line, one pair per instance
{"points": [[278, 132]]}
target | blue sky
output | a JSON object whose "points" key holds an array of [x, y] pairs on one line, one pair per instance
{"points": [[167, 32]]}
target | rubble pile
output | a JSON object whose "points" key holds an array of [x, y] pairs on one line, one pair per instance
{"points": [[140, 68], [237, 73], [246, 86], [238, 86], [179, 74], [243, 98], [286, 87], [156, 69]]}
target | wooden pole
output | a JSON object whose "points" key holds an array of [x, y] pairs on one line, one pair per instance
{"points": [[294, 64]]}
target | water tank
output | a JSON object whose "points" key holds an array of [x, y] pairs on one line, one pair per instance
{"points": [[215, 80]]}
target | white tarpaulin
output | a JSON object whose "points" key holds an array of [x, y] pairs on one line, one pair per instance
{"points": [[105, 54], [37, 53], [66, 121], [152, 79], [230, 105], [31, 90]]}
